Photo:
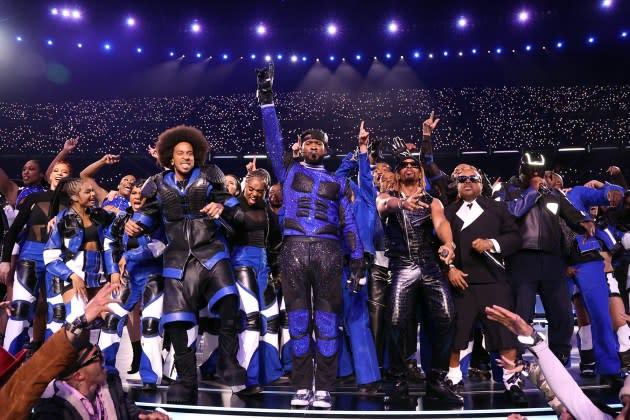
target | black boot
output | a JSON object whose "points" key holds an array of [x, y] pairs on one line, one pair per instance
{"points": [[135, 362], [587, 363], [228, 368], [414, 372], [184, 390], [624, 357], [438, 389]]}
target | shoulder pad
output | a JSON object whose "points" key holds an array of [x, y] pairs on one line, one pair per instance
{"points": [[149, 188], [214, 174]]}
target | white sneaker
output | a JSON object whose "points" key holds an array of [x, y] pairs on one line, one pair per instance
{"points": [[302, 398], [322, 399]]}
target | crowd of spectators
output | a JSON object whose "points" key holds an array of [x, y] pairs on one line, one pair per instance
{"points": [[474, 118]]}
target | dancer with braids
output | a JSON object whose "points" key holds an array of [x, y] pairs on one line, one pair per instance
{"points": [[254, 225], [114, 201], [318, 220], [74, 252], [190, 201], [34, 214], [139, 259]]}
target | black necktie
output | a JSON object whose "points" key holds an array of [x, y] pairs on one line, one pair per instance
{"points": [[469, 206]]}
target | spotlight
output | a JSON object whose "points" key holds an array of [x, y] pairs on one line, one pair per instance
{"points": [[331, 58], [107, 46], [19, 38], [65, 13], [131, 21], [431, 55], [76, 14], [462, 22], [79, 45], [402, 57], [198, 55], [304, 58], [559, 44], [392, 27], [388, 56], [49, 42], [195, 27], [461, 54], [171, 54], [445, 53], [499, 50], [267, 58], [624, 34], [279, 56], [523, 16], [225, 56], [294, 58], [261, 29], [54, 11], [606, 4], [358, 57], [317, 59], [416, 54], [528, 47], [253, 56], [591, 40], [375, 58], [331, 29], [474, 51], [139, 50]]}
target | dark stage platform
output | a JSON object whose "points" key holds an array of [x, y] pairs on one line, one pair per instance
{"points": [[483, 400]]}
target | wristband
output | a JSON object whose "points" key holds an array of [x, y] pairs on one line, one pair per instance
{"points": [[77, 326]]}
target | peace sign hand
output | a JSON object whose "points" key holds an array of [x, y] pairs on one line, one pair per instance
{"points": [[429, 124]]}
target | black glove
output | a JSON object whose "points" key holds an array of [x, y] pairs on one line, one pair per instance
{"points": [[357, 277], [265, 83]]}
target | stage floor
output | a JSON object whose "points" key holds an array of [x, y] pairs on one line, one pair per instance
{"points": [[483, 399]]}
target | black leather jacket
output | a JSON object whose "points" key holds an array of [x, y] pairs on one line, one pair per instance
{"points": [[538, 215]]}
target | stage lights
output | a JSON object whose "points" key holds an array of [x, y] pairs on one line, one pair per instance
{"points": [[474, 51], [139, 50], [294, 58], [523, 16], [252, 56], [559, 44], [445, 53], [499, 50], [267, 58], [388, 56], [225, 56], [623, 34], [171, 54], [79, 45], [261, 29], [358, 57], [195, 27], [107, 46], [66, 14], [431, 55], [49, 42], [462, 22], [198, 55], [331, 58], [528, 47], [279, 57], [606, 4], [130, 21], [392, 27], [304, 58], [332, 29], [591, 40], [416, 54], [461, 53], [19, 38]]}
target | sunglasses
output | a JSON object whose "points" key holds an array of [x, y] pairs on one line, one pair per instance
{"points": [[475, 179], [404, 165]]}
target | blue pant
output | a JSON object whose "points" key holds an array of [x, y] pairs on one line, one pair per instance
{"points": [[591, 280], [356, 322]]}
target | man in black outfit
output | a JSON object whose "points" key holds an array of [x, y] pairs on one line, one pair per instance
{"points": [[484, 232]]}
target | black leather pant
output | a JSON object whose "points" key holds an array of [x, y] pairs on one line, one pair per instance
{"points": [[420, 285], [378, 295]]}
